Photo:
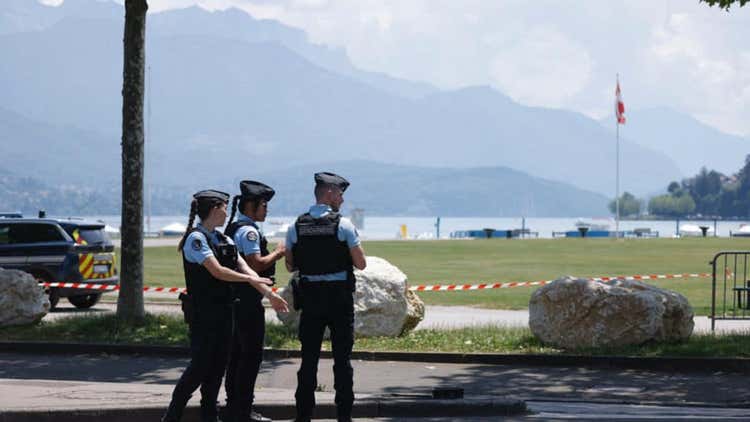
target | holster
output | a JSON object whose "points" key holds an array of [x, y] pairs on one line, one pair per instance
{"points": [[188, 307], [297, 285]]}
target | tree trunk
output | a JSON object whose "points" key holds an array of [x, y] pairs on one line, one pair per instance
{"points": [[130, 299]]}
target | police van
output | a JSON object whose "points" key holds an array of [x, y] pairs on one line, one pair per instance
{"points": [[59, 250]]}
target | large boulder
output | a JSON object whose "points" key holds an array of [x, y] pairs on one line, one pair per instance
{"points": [[576, 313], [22, 301], [382, 304]]}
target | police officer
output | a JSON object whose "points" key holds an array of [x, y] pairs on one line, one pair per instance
{"points": [[246, 352], [211, 263], [325, 249]]}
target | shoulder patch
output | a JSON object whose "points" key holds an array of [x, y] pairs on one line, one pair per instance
{"points": [[252, 235], [196, 245]]}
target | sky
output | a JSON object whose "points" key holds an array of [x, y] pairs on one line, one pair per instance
{"points": [[679, 54]]}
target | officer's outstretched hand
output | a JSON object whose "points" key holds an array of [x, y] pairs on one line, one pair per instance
{"points": [[264, 280], [277, 302]]}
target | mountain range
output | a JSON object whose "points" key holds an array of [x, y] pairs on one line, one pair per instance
{"points": [[234, 97]]}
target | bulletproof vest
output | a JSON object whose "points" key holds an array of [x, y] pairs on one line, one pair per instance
{"points": [[318, 249], [232, 229], [242, 291], [201, 285]]}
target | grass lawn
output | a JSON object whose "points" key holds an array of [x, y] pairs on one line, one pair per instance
{"points": [[501, 260], [170, 330]]}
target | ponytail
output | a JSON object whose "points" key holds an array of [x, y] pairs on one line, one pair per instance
{"points": [[234, 209], [191, 219]]}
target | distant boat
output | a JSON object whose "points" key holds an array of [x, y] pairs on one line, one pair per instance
{"points": [[280, 232], [597, 224], [174, 229], [694, 230], [111, 230], [743, 231]]}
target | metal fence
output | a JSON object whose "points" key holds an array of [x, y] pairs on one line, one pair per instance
{"points": [[730, 286]]}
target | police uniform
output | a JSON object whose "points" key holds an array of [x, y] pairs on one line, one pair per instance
{"points": [[246, 352], [211, 322], [320, 242]]}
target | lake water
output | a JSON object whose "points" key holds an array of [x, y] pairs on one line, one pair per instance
{"points": [[425, 227]]}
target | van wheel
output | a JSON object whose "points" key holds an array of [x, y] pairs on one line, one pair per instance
{"points": [[85, 301]]}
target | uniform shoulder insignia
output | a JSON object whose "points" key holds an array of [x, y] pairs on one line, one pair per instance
{"points": [[197, 244], [252, 235]]}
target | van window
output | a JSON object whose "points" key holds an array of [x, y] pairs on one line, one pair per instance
{"points": [[93, 236], [30, 233], [4, 234]]}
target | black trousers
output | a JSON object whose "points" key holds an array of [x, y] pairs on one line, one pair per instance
{"points": [[245, 357], [210, 334], [326, 304]]}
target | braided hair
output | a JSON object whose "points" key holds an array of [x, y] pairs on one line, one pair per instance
{"points": [[243, 201], [234, 209], [191, 219], [201, 208]]}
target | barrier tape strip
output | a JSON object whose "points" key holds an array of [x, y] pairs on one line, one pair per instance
{"points": [[421, 288]]}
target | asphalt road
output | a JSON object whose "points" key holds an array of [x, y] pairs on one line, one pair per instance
{"points": [[86, 381]]}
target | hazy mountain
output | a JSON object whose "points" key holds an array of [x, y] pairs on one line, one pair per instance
{"points": [[381, 189], [226, 102], [29, 15], [57, 154], [690, 143]]}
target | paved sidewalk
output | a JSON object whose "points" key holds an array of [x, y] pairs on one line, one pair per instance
{"points": [[100, 382]]}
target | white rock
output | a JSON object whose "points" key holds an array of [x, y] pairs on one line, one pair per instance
{"points": [[382, 304], [22, 301], [573, 313]]}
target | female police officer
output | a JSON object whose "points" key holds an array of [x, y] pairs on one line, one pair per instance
{"points": [[210, 261], [249, 321]]}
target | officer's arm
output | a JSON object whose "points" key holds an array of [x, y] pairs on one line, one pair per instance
{"points": [[289, 259], [291, 235], [223, 273], [262, 283], [260, 263], [358, 257]]}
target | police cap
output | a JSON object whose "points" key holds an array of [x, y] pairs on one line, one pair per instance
{"points": [[211, 194], [331, 179], [254, 190]]}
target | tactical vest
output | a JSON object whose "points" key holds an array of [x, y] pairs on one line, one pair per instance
{"points": [[201, 285], [318, 249], [232, 228]]}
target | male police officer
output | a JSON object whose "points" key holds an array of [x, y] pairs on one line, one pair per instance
{"points": [[325, 249], [249, 321]]}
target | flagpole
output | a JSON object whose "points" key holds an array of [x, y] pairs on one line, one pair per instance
{"points": [[617, 181], [617, 172]]}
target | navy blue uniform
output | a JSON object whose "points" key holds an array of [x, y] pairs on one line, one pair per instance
{"points": [[321, 241], [211, 326], [246, 353]]}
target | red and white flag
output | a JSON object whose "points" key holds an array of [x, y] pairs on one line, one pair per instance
{"points": [[619, 106]]}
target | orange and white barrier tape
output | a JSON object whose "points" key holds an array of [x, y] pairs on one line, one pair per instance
{"points": [[462, 287], [420, 288]]}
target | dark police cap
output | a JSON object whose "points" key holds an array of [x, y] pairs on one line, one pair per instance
{"points": [[211, 194], [331, 179], [252, 189]]}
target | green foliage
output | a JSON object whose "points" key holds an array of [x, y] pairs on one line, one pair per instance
{"points": [[170, 330], [629, 205], [709, 193], [671, 205], [725, 4], [501, 260]]}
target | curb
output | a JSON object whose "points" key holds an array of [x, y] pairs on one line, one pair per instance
{"points": [[661, 364], [384, 407]]}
